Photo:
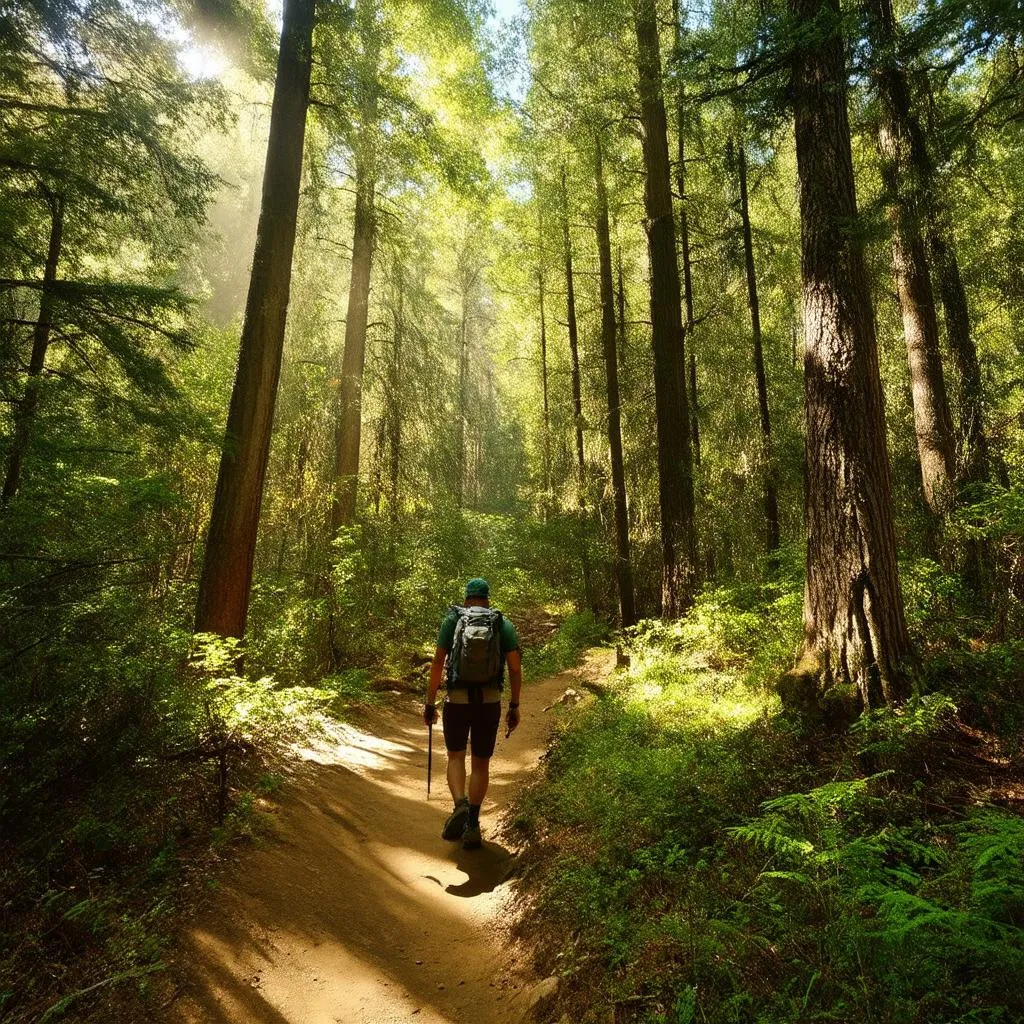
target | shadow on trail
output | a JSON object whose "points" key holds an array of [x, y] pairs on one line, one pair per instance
{"points": [[357, 911], [485, 868]]}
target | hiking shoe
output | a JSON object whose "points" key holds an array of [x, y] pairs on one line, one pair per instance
{"points": [[456, 823], [471, 837]]}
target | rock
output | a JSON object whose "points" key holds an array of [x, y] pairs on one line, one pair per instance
{"points": [[569, 699], [541, 998]]}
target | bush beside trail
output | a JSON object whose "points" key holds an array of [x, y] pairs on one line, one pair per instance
{"points": [[692, 854]]}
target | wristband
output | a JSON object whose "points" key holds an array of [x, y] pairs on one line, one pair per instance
{"points": [[512, 706]]}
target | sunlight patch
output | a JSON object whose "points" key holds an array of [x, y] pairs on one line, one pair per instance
{"points": [[338, 743]]}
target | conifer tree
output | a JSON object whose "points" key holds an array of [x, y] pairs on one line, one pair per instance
{"points": [[224, 588], [854, 624], [675, 453]]}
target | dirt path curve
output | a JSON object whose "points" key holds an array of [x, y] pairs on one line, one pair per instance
{"points": [[356, 912]]}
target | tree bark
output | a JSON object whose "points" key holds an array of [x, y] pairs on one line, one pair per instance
{"points": [[620, 297], [854, 624], [974, 464], [574, 345], [623, 566], [675, 454], [349, 415], [771, 496], [223, 601], [684, 238], [901, 167], [394, 403], [544, 357], [26, 409], [577, 394], [460, 427]]}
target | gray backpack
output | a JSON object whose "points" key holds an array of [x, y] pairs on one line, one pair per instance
{"points": [[475, 658]]}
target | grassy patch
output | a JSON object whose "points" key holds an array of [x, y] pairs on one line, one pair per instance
{"points": [[564, 647], [693, 858]]}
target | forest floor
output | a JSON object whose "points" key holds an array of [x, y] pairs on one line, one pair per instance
{"points": [[353, 909]]}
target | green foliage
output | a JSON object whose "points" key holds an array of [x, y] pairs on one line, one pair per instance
{"points": [[889, 730], [563, 650], [692, 861], [251, 710]]}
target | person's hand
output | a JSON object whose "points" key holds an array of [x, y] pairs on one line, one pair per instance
{"points": [[511, 719], [429, 714]]}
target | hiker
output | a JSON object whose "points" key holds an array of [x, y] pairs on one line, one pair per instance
{"points": [[476, 641]]}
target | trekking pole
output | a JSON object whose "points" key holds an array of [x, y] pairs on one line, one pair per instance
{"points": [[430, 754]]}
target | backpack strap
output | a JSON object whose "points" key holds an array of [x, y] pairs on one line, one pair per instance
{"points": [[460, 623]]}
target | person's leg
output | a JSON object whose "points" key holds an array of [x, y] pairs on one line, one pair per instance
{"points": [[455, 718], [484, 734], [478, 780], [457, 773]]}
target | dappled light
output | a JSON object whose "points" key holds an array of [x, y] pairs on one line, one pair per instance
{"points": [[356, 910], [624, 394]]}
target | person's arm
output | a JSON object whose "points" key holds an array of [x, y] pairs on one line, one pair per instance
{"points": [[441, 649], [436, 674], [514, 660]]}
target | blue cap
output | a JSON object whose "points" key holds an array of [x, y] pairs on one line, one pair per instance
{"points": [[478, 587]]}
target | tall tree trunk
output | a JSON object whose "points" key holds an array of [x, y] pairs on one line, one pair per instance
{"points": [[460, 426], [675, 454], [684, 235], [349, 415], [771, 496], [620, 297], [26, 409], [577, 394], [394, 402], [854, 624], [223, 601], [933, 423], [694, 405], [623, 566], [574, 346], [544, 358], [975, 465]]}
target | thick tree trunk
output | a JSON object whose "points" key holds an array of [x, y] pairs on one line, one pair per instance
{"points": [[854, 624], [675, 454], [577, 393], [902, 179], [349, 415], [25, 410], [623, 566], [223, 601], [974, 464], [684, 238], [771, 495]]}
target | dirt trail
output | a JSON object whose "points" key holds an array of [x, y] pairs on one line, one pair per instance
{"points": [[356, 912]]}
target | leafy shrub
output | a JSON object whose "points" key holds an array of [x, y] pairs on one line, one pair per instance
{"points": [[694, 860], [564, 648]]}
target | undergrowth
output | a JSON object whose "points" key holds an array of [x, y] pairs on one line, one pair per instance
{"points": [[694, 857], [131, 768]]}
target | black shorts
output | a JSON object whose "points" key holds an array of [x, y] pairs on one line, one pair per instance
{"points": [[476, 722]]}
